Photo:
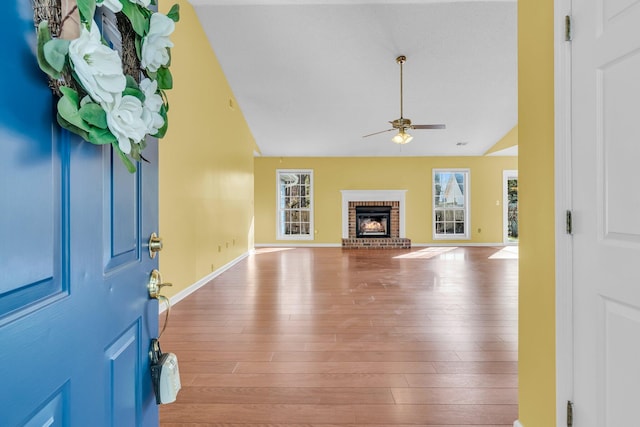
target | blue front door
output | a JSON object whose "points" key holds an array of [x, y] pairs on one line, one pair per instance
{"points": [[75, 316]]}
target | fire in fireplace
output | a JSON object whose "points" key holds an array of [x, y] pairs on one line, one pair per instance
{"points": [[373, 221]]}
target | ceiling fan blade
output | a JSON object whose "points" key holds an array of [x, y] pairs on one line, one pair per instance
{"points": [[376, 133], [428, 126]]}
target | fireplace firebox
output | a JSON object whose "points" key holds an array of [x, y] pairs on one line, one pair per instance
{"points": [[373, 221]]}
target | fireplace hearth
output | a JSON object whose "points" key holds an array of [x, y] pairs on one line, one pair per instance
{"points": [[373, 221], [374, 224]]}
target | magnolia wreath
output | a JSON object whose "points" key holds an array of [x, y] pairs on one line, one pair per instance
{"points": [[108, 62]]}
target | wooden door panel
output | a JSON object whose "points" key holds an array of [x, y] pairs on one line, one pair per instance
{"points": [[618, 234], [123, 366], [620, 370], [34, 236], [126, 355], [618, 153], [122, 227], [52, 412], [609, 11], [33, 230]]}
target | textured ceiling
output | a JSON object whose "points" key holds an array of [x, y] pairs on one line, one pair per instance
{"points": [[313, 77]]}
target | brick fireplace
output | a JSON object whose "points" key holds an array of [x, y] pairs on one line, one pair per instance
{"points": [[374, 200]]}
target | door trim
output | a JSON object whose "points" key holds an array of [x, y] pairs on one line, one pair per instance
{"points": [[563, 196]]}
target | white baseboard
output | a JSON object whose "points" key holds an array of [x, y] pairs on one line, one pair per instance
{"points": [[447, 244], [338, 245], [517, 423], [297, 245], [162, 306]]}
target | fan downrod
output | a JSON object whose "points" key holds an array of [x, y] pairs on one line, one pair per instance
{"points": [[403, 124]]}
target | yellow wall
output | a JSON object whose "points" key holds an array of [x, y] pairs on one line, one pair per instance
{"points": [[332, 174], [509, 140], [536, 195], [206, 164]]}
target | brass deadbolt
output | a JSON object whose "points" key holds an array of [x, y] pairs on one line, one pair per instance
{"points": [[155, 245]]}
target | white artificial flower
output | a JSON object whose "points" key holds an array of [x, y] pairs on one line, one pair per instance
{"points": [[124, 119], [113, 5], [152, 104], [98, 67], [144, 3], [156, 42]]}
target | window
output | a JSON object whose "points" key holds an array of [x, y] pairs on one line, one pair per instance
{"points": [[295, 204], [450, 204]]}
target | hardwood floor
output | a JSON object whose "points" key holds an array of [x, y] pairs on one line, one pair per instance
{"points": [[329, 337]]}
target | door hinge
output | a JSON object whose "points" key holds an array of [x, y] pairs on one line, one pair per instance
{"points": [[568, 35], [569, 413], [569, 222]]}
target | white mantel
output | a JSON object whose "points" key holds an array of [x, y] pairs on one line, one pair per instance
{"points": [[371, 196]]}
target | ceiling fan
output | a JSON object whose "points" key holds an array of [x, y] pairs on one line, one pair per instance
{"points": [[402, 124]]}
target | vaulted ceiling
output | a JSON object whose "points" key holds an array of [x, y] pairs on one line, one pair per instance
{"points": [[313, 77]]}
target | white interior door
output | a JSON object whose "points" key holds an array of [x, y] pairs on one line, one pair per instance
{"points": [[606, 203]]}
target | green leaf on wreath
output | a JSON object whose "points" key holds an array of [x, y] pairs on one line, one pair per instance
{"points": [[135, 92], [44, 36], [139, 21], [68, 109], [168, 61], [55, 52], [131, 82], [94, 114], [67, 91], [174, 13], [71, 128], [163, 130], [86, 9], [101, 136], [133, 89], [138, 44], [165, 79], [127, 162]]}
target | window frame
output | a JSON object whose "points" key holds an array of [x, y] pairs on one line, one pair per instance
{"points": [[281, 209], [466, 190]]}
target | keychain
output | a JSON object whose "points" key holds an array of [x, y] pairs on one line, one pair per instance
{"points": [[164, 374]]}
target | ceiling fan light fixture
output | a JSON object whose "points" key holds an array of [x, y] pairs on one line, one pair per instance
{"points": [[402, 138], [402, 123]]}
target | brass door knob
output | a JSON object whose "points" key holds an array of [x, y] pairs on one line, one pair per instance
{"points": [[155, 284]]}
